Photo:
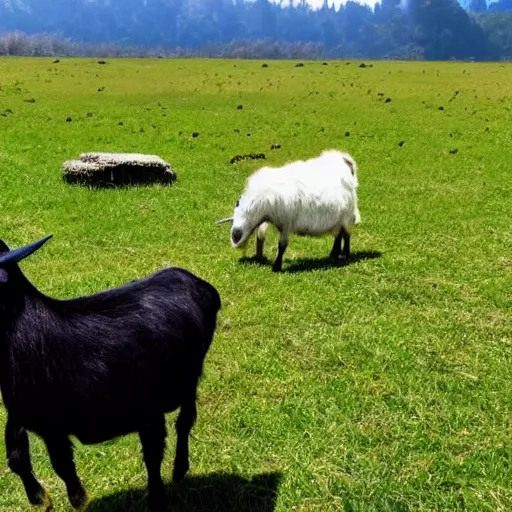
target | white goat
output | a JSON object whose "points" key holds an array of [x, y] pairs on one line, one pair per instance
{"points": [[312, 197]]}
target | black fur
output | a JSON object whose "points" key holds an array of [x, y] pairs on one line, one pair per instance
{"points": [[102, 366]]}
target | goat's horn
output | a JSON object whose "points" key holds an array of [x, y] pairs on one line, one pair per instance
{"points": [[221, 221], [22, 252]]}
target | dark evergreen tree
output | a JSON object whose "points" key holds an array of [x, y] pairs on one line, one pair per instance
{"points": [[446, 31]]}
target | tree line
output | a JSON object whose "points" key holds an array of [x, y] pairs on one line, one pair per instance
{"points": [[393, 29]]}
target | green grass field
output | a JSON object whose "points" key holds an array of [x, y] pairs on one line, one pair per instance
{"points": [[383, 385]]}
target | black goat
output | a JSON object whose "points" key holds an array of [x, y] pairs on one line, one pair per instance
{"points": [[101, 366]]}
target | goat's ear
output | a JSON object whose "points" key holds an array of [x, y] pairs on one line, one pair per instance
{"points": [[4, 276]]}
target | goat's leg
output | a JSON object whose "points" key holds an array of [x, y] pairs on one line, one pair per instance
{"points": [[152, 437], [346, 244], [18, 459], [60, 450], [184, 423], [336, 252], [283, 244], [336, 247], [260, 240]]}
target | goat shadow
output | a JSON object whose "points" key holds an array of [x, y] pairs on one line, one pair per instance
{"points": [[309, 264], [218, 492]]}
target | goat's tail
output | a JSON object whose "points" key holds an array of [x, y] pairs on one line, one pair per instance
{"points": [[357, 216], [352, 164]]}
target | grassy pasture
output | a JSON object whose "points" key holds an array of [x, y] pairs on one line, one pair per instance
{"points": [[383, 385]]}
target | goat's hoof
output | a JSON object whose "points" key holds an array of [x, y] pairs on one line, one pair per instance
{"points": [[45, 501], [157, 501], [41, 499], [79, 499], [179, 472], [37, 499], [84, 505]]}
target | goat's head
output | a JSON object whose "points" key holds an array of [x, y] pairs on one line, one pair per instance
{"points": [[9, 258], [244, 221]]}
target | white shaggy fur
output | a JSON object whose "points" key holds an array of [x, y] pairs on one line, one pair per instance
{"points": [[312, 197]]}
